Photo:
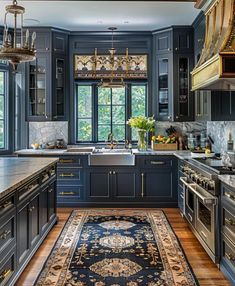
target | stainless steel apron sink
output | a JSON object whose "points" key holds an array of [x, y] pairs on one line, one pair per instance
{"points": [[111, 159]]}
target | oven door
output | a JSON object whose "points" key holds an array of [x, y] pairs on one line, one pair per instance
{"points": [[189, 201], [206, 216]]}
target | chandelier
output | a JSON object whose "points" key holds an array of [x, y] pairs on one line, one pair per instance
{"points": [[17, 50], [113, 82]]}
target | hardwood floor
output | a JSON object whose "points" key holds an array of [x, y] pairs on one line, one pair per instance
{"points": [[205, 270]]}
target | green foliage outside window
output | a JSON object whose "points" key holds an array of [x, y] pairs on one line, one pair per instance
{"points": [[111, 109]]}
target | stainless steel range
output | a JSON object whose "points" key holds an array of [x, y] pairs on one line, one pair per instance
{"points": [[201, 189]]}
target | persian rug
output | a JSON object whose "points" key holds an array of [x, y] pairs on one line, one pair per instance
{"points": [[117, 248]]}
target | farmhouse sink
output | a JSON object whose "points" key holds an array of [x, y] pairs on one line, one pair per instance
{"points": [[111, 159], [81, 149]]}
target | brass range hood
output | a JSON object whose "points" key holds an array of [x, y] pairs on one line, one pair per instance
{"points": [[215, 69]]}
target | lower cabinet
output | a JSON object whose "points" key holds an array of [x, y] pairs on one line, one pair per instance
{"points": [[112, 184], [26, 216], [227, 263]]}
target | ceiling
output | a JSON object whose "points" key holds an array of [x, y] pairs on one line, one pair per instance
{"points": [[99, 15]]}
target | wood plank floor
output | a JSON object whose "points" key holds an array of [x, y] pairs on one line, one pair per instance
{"points": [[206, 271]]}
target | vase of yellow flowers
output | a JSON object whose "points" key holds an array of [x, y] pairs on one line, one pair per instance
{"points": [[143, 125]]}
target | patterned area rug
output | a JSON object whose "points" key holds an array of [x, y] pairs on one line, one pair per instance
{"points": [[117, 248]]}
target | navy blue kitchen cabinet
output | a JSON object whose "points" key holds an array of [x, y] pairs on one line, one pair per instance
{"points": [[46, 77], [173, 55], [26, 216], [227, 263], [199, 36], [112, 184], [71, 180]]}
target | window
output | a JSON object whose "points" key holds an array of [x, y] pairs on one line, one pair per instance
{"points": [[101, 111], [3, 92]]}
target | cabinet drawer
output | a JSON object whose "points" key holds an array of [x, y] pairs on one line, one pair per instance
{"points": [[69, 175], [70, 162], [29, 188], [70, 191], [228, 222], [7, 204], [7, 232], [228, 195], [228, 252], [156, 162], [7, 268]]}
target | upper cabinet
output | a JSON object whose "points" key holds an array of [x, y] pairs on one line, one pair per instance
{"points": [[46, 77], [173, 62], [199, 35]]}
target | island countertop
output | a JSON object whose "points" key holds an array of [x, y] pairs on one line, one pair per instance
{"points": [[228, 180], [16, 171]]}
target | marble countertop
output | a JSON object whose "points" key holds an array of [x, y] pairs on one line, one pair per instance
{"points": [[58, 152], [228, 180], [16, 171]]}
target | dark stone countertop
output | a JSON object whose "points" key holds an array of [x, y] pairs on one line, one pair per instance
{"points": [[14, 171]]}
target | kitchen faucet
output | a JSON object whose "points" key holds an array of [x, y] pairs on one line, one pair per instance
{"points": [[112, 143]]}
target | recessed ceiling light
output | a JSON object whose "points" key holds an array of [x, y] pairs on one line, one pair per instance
{"points": [[126, 22], [30, 21]]}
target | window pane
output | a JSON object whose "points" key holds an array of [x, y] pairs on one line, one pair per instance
{"points": [[138, 98], [119, 132], [103, 132], [84, 101], [84, 130], [2, 83], [1, 107], [104, 96], [118, 96], [119, 115], [104, 115], [2, 137]]}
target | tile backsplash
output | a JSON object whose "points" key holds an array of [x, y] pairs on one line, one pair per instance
{"points": [[219, 132], [43, 132]]}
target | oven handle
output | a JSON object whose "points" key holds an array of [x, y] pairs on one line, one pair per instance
{"points": [[206, 200]]}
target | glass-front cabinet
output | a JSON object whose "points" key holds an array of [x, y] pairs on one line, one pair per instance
{"points": [[59, 89], [38, 88], [164, 90]]}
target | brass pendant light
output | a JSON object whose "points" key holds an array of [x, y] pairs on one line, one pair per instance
{"points": [[13, 50]]}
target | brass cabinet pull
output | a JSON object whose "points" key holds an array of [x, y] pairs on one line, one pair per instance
{"points": [[190, 217], [142, 185], [5, 205], [45, 176], [230, 221], [32, 187], [158, 163], [5, 234], [67, 175], [229, 256], [204, 234], [50, 190], [66, 161], [182, 196], [114, 173], [230, 196], [67, 193], [5, 273]]}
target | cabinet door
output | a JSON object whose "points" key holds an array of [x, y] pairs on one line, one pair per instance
{"points": [[125, 184], [60, 43], [159, 185], [223, 105], [51, 201], [39, 86], [183, 97], [59, 87], [199, 37], [203, 105], [163, 42], [23, 244], [183, 40], [164, 83], [43, 41], [43, 209], [34, 227], [99, 184]]}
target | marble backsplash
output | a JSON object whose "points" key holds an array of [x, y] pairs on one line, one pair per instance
{"points": [[43, 132], [219, 132]]}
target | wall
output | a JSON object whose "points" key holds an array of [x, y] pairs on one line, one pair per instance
{"points": [[43, 132], [219, 132]]}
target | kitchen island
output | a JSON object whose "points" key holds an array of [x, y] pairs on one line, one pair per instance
{"points": [[27, 211]]}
